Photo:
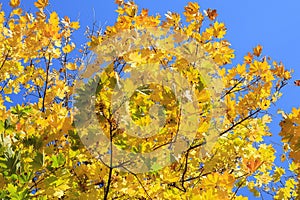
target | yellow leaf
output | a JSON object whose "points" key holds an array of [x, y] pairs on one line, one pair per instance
{"points": [[7, 98], [240, 198], [294, 167], [68, 48], [8, 90], [265, 104], [130, 9], [219, 30], [290, 183], [41, 4], [14, 3], [75, 25], [17, 11], [27, 160], [54, 19], [58, 193], [71, 66], [222, 72], [287, 75], [135, 59], [266, 119], [241, 69], [191, 10], [57, 43], [56, 53], [278, 172]]}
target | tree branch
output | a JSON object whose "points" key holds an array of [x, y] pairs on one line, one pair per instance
{"points": [[46, 84]]}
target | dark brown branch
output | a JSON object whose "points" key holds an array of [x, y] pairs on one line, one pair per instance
{"points": [[46, 84], [235, 85], [229, 129], [241, 121], [138, 181], [5, 59], [111, 157], [177, 130], [185, 170], [5, 84], [237, 189], [108, 183]]}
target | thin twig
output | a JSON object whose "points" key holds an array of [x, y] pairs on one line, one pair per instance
{"points": [[46, 84], [138, 181]]}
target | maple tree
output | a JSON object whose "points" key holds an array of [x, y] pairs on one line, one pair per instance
{"points": [[207, 137]]}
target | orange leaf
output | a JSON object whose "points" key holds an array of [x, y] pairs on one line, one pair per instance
{"points": [[41, 4], [253, 164], [192, 8], [248, 58], [297, 82], [119, 2], [14, 3], [257, 50]]}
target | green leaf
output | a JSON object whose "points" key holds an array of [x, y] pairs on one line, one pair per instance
{"points": [[38, 161], [25, 177], [11, 188], [156, 167], [57, 161]]}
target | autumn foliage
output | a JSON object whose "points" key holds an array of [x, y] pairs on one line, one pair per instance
{"points": [[43, 154]]}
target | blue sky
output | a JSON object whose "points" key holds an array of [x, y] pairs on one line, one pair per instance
{"points": [[273, 24]]}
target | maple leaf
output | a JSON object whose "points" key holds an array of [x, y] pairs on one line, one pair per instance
{"points": [[14, 3], [257, 50], [248, 58], [119, 2], [211, 14], [41, 4], [253, 164], [157, 116]]}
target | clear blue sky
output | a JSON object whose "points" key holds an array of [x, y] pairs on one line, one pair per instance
{"points": [[273, 24]]}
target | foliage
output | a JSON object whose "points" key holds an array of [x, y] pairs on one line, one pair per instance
{"points": [[42, 154], [290, 138]]}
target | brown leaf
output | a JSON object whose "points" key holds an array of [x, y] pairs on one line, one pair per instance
{"points": [[211, 14]]}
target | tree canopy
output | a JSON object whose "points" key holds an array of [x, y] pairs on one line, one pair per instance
{"points": [[148, 108]]}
